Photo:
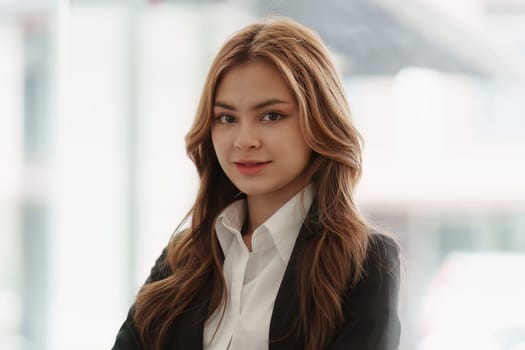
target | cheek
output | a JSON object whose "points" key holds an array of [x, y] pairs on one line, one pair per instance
{"points": [[216, 142], [296, 152], [219, 147], [217, 150], [300, 146], [305, 153]]}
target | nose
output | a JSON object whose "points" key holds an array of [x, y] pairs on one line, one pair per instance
{"points": [[246, 138]]}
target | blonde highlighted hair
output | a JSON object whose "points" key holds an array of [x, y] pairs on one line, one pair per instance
{"points": [[332, 259]]}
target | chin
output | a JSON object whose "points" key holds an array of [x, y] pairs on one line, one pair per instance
{"points": [[253, 190]]}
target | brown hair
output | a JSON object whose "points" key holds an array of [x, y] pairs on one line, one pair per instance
{"points": [[331, 260]]}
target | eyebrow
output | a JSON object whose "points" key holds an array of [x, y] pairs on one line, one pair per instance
{"points": [[272, 101]]}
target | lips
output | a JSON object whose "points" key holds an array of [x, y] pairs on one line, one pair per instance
{"points": [[250, 167], [250, 163]]}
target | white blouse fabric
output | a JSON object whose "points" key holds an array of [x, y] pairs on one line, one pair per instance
{"points": [[253, 278]]}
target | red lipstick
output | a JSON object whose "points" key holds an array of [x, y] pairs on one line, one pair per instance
{"points": [[250, 167]]}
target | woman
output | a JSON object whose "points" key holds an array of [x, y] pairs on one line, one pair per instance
{"points": [[277, 255]]}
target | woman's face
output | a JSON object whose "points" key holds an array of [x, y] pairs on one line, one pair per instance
{"points": [[256, 134]]}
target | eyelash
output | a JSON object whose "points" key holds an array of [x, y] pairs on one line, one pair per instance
{"points": [[221, 118]]}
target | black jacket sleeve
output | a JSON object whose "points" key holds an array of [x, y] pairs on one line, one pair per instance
{"points": [[371, 307], [128, 337]]}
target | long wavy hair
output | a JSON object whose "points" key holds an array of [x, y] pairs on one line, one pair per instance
{"points": [[334, 258]]}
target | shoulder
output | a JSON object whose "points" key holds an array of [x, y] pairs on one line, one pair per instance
{"points": [[383, 256], [382, 247], [162, 268], [381, 273]]}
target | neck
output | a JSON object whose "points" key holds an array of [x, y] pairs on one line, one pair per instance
{"points": [[260, 208]]}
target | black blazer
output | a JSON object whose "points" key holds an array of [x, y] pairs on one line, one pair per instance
{"points": [[370, 308]]}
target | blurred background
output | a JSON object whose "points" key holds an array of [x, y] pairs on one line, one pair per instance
{"points": [[95, 100]]}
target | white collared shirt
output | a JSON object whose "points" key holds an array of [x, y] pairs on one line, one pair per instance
{"points": [[253, 278]]}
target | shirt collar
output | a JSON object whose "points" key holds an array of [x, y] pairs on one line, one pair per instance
{"points": [[283, 226], [229, 223]]}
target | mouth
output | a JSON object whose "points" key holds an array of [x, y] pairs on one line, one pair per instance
{"points": [[250, 167], [249, 163]]}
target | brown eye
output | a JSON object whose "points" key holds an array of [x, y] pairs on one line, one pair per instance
{"points": [[225, 119], [272, 116]]}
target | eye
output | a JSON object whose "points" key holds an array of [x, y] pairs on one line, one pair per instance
{"points": [[272, 116], [225, 119]]}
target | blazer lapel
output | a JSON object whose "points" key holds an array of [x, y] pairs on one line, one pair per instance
{"points": [[285, 333]]}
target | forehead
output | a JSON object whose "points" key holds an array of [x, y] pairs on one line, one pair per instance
{"points": [[255, 79]]}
